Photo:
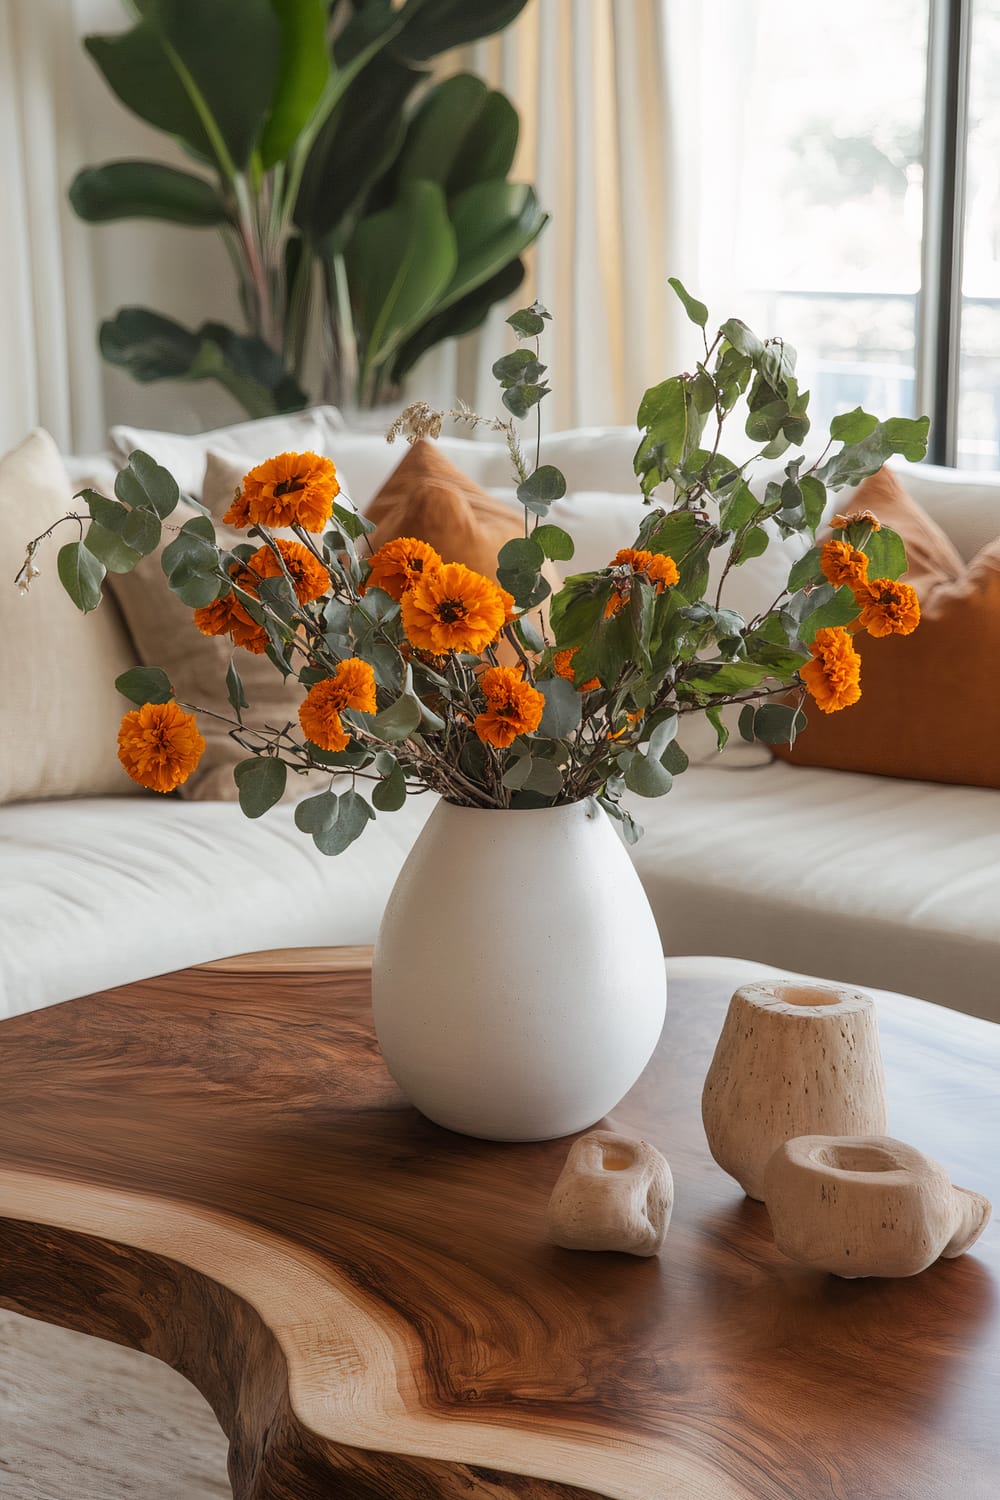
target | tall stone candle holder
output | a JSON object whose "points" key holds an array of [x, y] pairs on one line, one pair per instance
{"points": [[793, 1059]]}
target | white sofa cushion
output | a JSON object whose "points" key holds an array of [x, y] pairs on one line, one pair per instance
{"points": [[313, 430], [859, 878], [96, 893], [59, 711]]}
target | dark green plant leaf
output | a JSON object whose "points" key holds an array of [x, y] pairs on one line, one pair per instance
{"points": [[696, 311], [399, 262], [145, 685], [399, 720], [116, 555], [805, 571], [902, 435], [463, 316], [141, 531], [303, 69], [203, 72], [437, 130], [742, 339], [647, 777], [886, 554], [152, 347], [777, 723], [714, 716], [81, 575], [145, 190], [493, 224], [529, 322], [235, 690], [317, 814], [146, 485], [562, 713], [521, 555], [353, 816], [554, 542], [261, 783], [852, 426], [389, 794], [538, 491], [841, 609], [435, 26]]}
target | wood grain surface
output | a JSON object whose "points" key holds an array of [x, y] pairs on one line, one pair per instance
{"points": [[214, 1167]]}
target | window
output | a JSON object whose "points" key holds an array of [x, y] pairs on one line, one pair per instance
{"points": [[862, 205]]}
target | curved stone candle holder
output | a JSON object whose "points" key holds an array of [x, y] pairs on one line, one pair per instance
{"points": [[614, 1193], [867, 1206], [793, 1059]]}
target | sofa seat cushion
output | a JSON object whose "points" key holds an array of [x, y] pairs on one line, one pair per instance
{"points": [[101, 892], [858, 878]]}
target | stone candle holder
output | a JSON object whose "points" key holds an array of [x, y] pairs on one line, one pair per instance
{"points": [[793, 1059], [867, 1206], [614, 1193]]}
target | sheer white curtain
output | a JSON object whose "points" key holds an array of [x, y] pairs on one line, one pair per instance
{"points": [[47, 346], [602, 87]]}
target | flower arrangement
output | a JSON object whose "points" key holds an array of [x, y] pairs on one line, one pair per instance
{"points": [[421, 674]]}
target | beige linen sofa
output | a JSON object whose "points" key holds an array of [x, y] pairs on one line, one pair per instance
{"points": [[868, 879]]}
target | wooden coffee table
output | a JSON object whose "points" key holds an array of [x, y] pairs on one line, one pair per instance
{"points": [[215, 1167]]}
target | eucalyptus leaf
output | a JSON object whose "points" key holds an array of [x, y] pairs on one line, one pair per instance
{"points": [[647, 777], [554, 542], [145, 685], [81, 575], [317, 814], [353, 816], [261, 783], [562, 714], [696, 311], [234, 688]]}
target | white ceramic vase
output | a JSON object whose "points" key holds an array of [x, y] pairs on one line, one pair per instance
{"points": [[518, 984]]}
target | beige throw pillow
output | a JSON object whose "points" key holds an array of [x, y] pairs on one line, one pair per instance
{"points": [[59, 711], [166, 636]]}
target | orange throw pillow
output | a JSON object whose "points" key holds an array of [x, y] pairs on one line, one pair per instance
{"points": [[427, 497], [929, 708]]}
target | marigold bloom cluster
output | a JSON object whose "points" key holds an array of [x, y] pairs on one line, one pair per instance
{"points": [[889, 607], [858, 518], [657, 569], [351, 686], [159, 745], [399, 563], [309, 577], [562, 665], [513, 707], [229, 616], [453, 609], [292, 489], [843, 565], [833, 677]]}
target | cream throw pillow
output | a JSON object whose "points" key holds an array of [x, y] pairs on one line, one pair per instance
{"points": [[59, 711], [166, 636]]}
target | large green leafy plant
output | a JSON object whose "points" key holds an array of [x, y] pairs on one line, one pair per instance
{"points": [[354, 201]]}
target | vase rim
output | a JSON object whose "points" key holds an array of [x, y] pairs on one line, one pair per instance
{"points": [[562, 807]]}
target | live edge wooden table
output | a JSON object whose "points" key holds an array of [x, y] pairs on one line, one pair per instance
{"points": [[215, 1167]]}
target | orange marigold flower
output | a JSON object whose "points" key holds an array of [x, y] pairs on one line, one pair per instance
{"points": [[889, 608], [159, 745], [308, 574], [833, 677], [657, 568], [843, 565], [513, 707], [351, 686], [453, 609], [292, 489], [562, 665], [238, 514], [229, 616], [858, 517], [399, 563]]}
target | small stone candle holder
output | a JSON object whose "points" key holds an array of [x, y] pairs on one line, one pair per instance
{"points": [[867, 1206], [794, 1058], [614, 1193]]}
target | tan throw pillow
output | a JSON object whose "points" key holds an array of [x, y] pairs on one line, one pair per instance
{"points": [[929, 708], [59, 711], [166, 636], [427, 497]]}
